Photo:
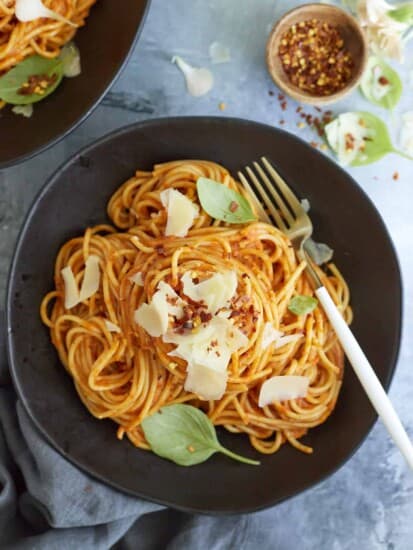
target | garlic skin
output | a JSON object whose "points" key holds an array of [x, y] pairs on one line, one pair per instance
{"points": [[384, 34], [199, 81], [30, 10]]}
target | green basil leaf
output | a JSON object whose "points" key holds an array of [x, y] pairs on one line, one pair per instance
{"points": [[379, 142], [13, 80], [222, 203], [385, 95], [185, 435], [301, 305], [403, 14]]}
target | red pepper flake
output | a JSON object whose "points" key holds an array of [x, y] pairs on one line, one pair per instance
{"points": [[160, 250], [383, 81], [314, 57], [299, 109], [271, 93], [283, 105], [314, 144], [233, 206], [396, 176], [281, 97], [282, 122], [37, 84], [205, 316], [191, 449]]}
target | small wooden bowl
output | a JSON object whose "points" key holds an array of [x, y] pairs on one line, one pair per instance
{"points": [[354, 42]]}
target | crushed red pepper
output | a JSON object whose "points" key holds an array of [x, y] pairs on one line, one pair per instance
{"points": [[314, 57], [37, 84]]}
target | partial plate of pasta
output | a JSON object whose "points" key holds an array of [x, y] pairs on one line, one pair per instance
{"points": [[186, 327], [49, 77]]}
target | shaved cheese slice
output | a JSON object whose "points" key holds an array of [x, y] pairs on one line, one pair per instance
{"points": [[137, 279], [210, 346], [174, 302], [287, 339], [269, 336], [111, 326], [153, 317], [207, 383], [72, 297], [216, 292], [282, 388], [181, 212], [29, 10], [199, 81], [91, 278]]}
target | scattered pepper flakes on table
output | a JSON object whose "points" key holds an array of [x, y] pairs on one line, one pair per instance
{"points": [[222, 106], [396, 176], [314, 58]]}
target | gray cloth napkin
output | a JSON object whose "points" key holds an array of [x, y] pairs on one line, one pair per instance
{"points": [[47, 503]]}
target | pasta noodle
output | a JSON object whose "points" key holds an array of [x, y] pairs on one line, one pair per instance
{"points": [[42, 36], [127, 375]]}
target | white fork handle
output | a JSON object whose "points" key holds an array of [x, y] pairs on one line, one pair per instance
{"points": [[367, 376]]}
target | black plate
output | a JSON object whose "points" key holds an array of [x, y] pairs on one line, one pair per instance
{"points": [[105, 43], [76, 197]]}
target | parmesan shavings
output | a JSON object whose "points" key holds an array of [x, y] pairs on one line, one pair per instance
{"points": [[30, 10], [207, 352], [282, 388], [91, 278], [199, 81], [216, 292], [153, 317], [72, 297], [112, 327], [24, 110], [272, 336], [137, 279], [181, 212]]}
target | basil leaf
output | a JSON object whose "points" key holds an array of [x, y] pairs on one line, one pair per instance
{"points": [[379, 142], [301, 305], [381, 84], [223, 203], [403, 14], [185, 435], [11, 82]]}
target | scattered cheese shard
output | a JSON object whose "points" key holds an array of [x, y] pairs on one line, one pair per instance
{"points": [[216, 292], [137, 279], [111, 326], [181, 212], [30, 10], [208, 349], [72, 297], [153, 317], [174, 302], [207, 383], [91, 278], [287, 339], [199, 81], [269, 336], [282, 388]]}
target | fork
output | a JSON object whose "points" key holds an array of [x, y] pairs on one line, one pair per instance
{"points": [[286, 212]]}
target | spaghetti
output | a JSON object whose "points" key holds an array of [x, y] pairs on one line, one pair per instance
{"points": [[42, 36], [127, 375]]}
